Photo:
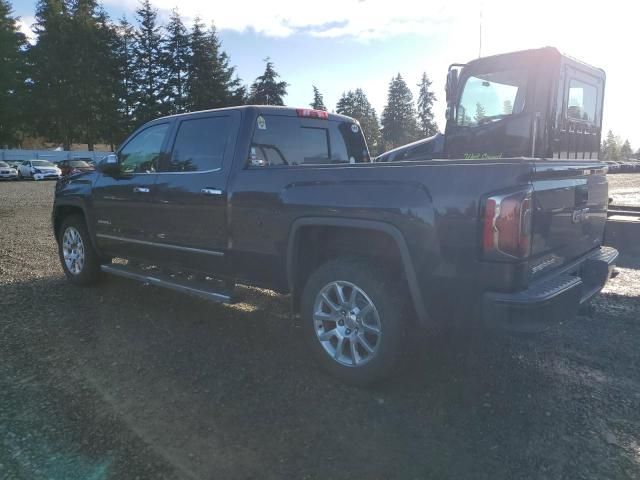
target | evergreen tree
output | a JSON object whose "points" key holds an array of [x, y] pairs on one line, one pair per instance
{"points": [[266, 89], [426, 97], [355, 104], [52, 99], [124, 50], [12, 76], [212, 82], [611, 147], [149, 74], [399, 125], [93, 77], [480, 113], [318, 100], [626, 151], [177, 58]]}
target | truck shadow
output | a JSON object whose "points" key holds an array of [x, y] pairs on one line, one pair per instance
{"points": [[230, 391]]}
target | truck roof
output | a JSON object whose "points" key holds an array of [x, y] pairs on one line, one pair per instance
{"points": [[266, 110], [534, 52]]}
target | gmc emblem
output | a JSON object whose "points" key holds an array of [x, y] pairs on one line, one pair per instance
{"points": [[580, 216]]}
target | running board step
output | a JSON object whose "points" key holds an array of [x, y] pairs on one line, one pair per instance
{"points": [[158, 279]]}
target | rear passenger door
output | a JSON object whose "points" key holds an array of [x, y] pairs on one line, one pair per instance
{"points": [[191, 191]]}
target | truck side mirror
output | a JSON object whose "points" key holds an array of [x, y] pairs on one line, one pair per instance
{"points": [[109, 165]]}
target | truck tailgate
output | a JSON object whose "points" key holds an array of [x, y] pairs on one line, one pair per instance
{"points": [[570, 211]]}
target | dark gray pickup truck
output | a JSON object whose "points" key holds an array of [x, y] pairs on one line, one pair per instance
{"points": [[288, 199]]}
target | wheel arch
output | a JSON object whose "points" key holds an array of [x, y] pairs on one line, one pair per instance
{"points": [[381, 231], [64, 210]]}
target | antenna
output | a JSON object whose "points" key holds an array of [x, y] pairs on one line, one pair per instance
{"points": [[480, 38]]}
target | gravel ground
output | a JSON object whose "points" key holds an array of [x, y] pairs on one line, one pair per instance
{"points": [[624, 188], [124, 381]]}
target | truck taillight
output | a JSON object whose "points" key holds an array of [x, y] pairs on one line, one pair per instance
{"points": [[506, 231], [310, 113]]}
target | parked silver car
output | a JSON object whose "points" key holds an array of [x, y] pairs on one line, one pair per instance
{"points": [[7, 172]]}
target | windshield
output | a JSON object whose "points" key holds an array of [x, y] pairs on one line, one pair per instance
{"points": [[491, 96], [42, 163]]}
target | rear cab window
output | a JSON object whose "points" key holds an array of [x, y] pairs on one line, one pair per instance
{"points": [[280, 141]]}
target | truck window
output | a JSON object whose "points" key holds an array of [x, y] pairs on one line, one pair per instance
{"points": [[200, 144], [581, 102], [280, 140], [141, 153], [491, 96]]}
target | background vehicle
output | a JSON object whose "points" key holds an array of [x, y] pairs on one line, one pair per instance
{"points": [[38, 170], [74, 166], [7, 172], [528, 103]]}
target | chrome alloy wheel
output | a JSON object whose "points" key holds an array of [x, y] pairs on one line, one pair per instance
{"points": [[347, 323], [73, 250]]}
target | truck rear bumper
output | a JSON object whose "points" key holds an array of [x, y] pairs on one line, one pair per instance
{"points": [[552, 299]]}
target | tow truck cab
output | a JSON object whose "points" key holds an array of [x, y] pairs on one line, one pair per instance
{"points": [[532, 103]]}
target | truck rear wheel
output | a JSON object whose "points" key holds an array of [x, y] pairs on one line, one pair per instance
{"points": [[80, 262], [354, 320]]}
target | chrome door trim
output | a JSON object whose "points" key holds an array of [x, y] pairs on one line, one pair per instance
{"points": [[160, 245]]}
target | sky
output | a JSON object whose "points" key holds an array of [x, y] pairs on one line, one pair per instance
{"points": [[339, 45]]}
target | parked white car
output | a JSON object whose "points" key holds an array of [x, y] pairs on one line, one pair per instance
{"points": [[38, 170], [7, 172]]}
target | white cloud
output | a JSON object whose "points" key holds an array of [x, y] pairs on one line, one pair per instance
{"points": [[24, 25], [362, 19]]}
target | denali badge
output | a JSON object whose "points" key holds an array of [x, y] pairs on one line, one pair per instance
{"points": [[581, 215]]}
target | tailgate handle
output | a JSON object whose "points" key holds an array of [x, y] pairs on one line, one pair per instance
{"points": [[211, 191]]}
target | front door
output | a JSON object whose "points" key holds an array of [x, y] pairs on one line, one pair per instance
{"points": [[124, 203], [192, 191]]}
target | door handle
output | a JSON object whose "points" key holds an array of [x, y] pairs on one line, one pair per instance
{"points": [[140, 190], [211, 191]]}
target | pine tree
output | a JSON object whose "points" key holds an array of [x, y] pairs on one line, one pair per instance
{"points": [[626, 151], [480, 113], [149, 74], [52, 99], [355, 104], [12, 76], [611, 147], [318, 100], [212, 82], [266, 89], [177, 57], [426, 97], [399, 125], [93, 77], [124, 50]]}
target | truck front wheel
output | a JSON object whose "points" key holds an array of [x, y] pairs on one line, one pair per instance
{"points": [[354, 319], [80, 262]]}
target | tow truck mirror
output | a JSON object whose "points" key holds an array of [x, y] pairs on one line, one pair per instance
{"points": [[109, 165]]}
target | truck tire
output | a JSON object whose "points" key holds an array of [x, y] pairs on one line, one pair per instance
{"points": [[354, 320], [80, 262]]}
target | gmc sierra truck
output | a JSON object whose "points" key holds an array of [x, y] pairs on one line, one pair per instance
{"points": [[288, 199]]}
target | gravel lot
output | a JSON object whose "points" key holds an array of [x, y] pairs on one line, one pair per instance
{"points": [[124, 381], [624, 188]]}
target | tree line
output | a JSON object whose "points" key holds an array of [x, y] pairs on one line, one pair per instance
{"points": [[89, 79], [613, 148]]}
